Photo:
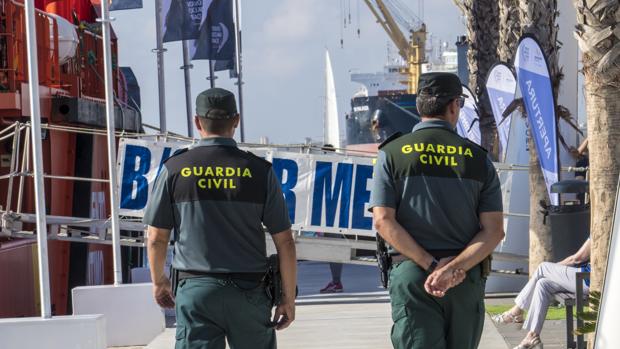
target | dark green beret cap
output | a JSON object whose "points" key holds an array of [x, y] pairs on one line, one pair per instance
{"points": [[440, 84], [216, 98]]}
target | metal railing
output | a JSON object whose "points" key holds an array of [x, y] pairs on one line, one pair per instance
{"points": [[20, 169]]}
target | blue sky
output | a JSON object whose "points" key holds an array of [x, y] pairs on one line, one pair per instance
{"points": [[283, 58]]}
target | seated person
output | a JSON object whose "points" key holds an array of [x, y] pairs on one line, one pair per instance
{"points": [[538, 293]]}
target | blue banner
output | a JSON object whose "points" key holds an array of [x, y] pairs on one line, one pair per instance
{"points": [[501, 88], [125, 5], [535, 84], [468, 125]]}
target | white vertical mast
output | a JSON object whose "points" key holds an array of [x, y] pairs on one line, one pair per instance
{"points": [[109, 112], [331, 131], [37, 148]]}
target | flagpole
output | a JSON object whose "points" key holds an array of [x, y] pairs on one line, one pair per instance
{"points": [[211, 74], [188, 89], [239, 68], [160, 68], [39, 188], [112, 173]]}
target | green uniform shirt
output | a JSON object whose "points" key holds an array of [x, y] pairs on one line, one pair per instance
{"points": [[438, 183], [217, 198]]}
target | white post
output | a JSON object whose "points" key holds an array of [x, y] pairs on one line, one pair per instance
{"points": [[109, 111], [37, 148], [160, 68], [239, 69]]}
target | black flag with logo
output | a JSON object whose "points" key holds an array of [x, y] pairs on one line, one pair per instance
{"points": [[216, 39], [181, 19]]}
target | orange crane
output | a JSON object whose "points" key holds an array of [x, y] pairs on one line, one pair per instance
{"points": [[391, 15]]}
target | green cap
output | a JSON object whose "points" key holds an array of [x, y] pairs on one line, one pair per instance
{"points": [[440, 85], [216, 98]]}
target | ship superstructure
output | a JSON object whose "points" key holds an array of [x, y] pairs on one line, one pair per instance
{"points": [[386, 101], [383, 105], [73, 120]]}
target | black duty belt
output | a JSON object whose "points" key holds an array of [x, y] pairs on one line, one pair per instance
{"points": [[437, 254], [190, 274]]}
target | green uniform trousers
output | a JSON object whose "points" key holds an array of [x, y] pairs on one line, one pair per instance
{"points": [[422, 321], [212, 310]]}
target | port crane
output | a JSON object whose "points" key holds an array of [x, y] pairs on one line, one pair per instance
{"points": [[393, 16]]}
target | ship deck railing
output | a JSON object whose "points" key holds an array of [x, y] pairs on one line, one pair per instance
{"points": [[350, 249]]}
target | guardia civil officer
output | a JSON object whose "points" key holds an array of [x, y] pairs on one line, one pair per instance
{"points": [[217, 198], [436, 200]]}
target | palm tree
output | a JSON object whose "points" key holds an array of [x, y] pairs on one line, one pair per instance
{"points": [[538, 18], [509, 30], [598, 37], [482, 36]]}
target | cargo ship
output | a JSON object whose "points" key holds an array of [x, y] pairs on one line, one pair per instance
{"points": [[383, 106], [70, 59]]}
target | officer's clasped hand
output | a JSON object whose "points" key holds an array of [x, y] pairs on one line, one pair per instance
{"points": [[443, 278]]}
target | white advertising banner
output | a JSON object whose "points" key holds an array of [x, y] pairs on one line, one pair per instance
{"points": [[468, 125], [535, 84], [501, 88], [324, 193]]}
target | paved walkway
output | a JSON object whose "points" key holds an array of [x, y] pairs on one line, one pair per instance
{"points": [[341, 326], [356, 319]]}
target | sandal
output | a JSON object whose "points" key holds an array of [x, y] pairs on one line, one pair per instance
{"points": [[507, 318], [533, 343]]}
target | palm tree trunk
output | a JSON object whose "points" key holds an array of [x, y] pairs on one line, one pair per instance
{"points": [[482, 36], [509, 30], [538, 17], [600, 45], [541, 247]]}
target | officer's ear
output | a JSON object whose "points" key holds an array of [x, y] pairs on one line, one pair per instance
{"points": [[237, 119], [454, 106], [197, 123]]}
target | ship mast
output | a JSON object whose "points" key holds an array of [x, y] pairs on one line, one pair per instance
{"points": [[388, 14]]}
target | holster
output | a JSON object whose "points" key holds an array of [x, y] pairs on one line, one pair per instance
{"points": [[384, 261], [273, 280], [485, 266], [174, 280]]}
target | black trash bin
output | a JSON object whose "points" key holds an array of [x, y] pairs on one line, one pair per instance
{"points": [[570, 223]]}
